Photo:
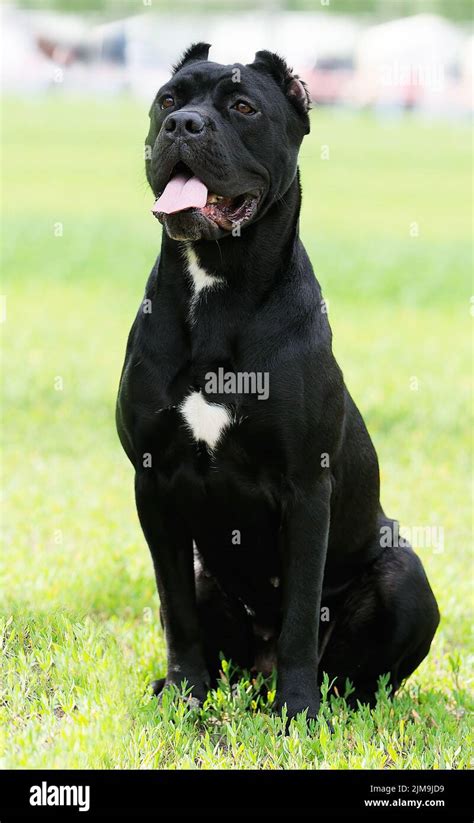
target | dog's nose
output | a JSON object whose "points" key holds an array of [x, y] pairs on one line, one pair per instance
{"points": [[184, 123]]}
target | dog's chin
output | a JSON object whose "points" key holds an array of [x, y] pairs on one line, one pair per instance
{"points": [[191, 225], [220, 216]]}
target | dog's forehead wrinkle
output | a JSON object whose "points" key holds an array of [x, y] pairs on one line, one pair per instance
{"points": [[196, 78], [210, 68], [201, 75]]}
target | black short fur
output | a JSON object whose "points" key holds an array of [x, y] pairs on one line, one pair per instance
{"points": [[295, 476]]}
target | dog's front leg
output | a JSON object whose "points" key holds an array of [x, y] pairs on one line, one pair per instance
{"points": [[304, 547], [172, 553]]}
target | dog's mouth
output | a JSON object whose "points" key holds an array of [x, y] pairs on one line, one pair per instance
{"points": [[185, 192]]}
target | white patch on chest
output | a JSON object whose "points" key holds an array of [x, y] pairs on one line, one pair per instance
{"points": [[206, 420], [201, 279]]}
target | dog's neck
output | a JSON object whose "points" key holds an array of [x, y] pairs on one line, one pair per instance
{"points": [[252, 259]]}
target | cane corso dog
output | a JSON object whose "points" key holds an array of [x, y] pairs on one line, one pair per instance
{"points": [[256, 481]]}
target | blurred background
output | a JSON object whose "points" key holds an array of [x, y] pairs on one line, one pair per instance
{"points": [[384, 54], [387, 221]]}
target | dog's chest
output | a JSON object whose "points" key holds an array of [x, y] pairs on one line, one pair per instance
{"points": [[209, 404], [206, 421], [211, 400]]}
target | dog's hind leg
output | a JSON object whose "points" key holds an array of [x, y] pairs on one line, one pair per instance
{"points": [[383, 624], [226, 628]]}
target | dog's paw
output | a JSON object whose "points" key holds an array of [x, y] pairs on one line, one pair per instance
{"points": [[295, 704], [194, 699], [157, 686]]}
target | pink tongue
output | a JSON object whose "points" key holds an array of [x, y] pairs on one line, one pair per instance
{"points": [[181, 193]]}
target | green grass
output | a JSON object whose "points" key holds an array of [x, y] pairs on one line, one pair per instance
{"points": [[82, 637]]}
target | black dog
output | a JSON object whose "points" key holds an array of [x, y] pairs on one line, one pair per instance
{"points": [[257, 484]]}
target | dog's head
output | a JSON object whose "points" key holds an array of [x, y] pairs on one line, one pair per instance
{"points": [[223, 142]]}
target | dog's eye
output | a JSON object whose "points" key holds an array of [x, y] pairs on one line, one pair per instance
{"points": [[167, 102], [243, 107]]}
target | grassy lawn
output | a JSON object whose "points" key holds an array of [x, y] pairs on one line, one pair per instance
{"points": [[81, 634]]}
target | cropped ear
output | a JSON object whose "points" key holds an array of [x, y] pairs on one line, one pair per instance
{"points": [[198, 51], [294, 88]]}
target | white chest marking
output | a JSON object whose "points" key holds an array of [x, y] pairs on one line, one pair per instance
{"points": [[201, 279], [206, 420]]}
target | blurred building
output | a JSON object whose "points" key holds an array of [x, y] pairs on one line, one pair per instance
{"points": [[422, 63], [412, 63]]}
